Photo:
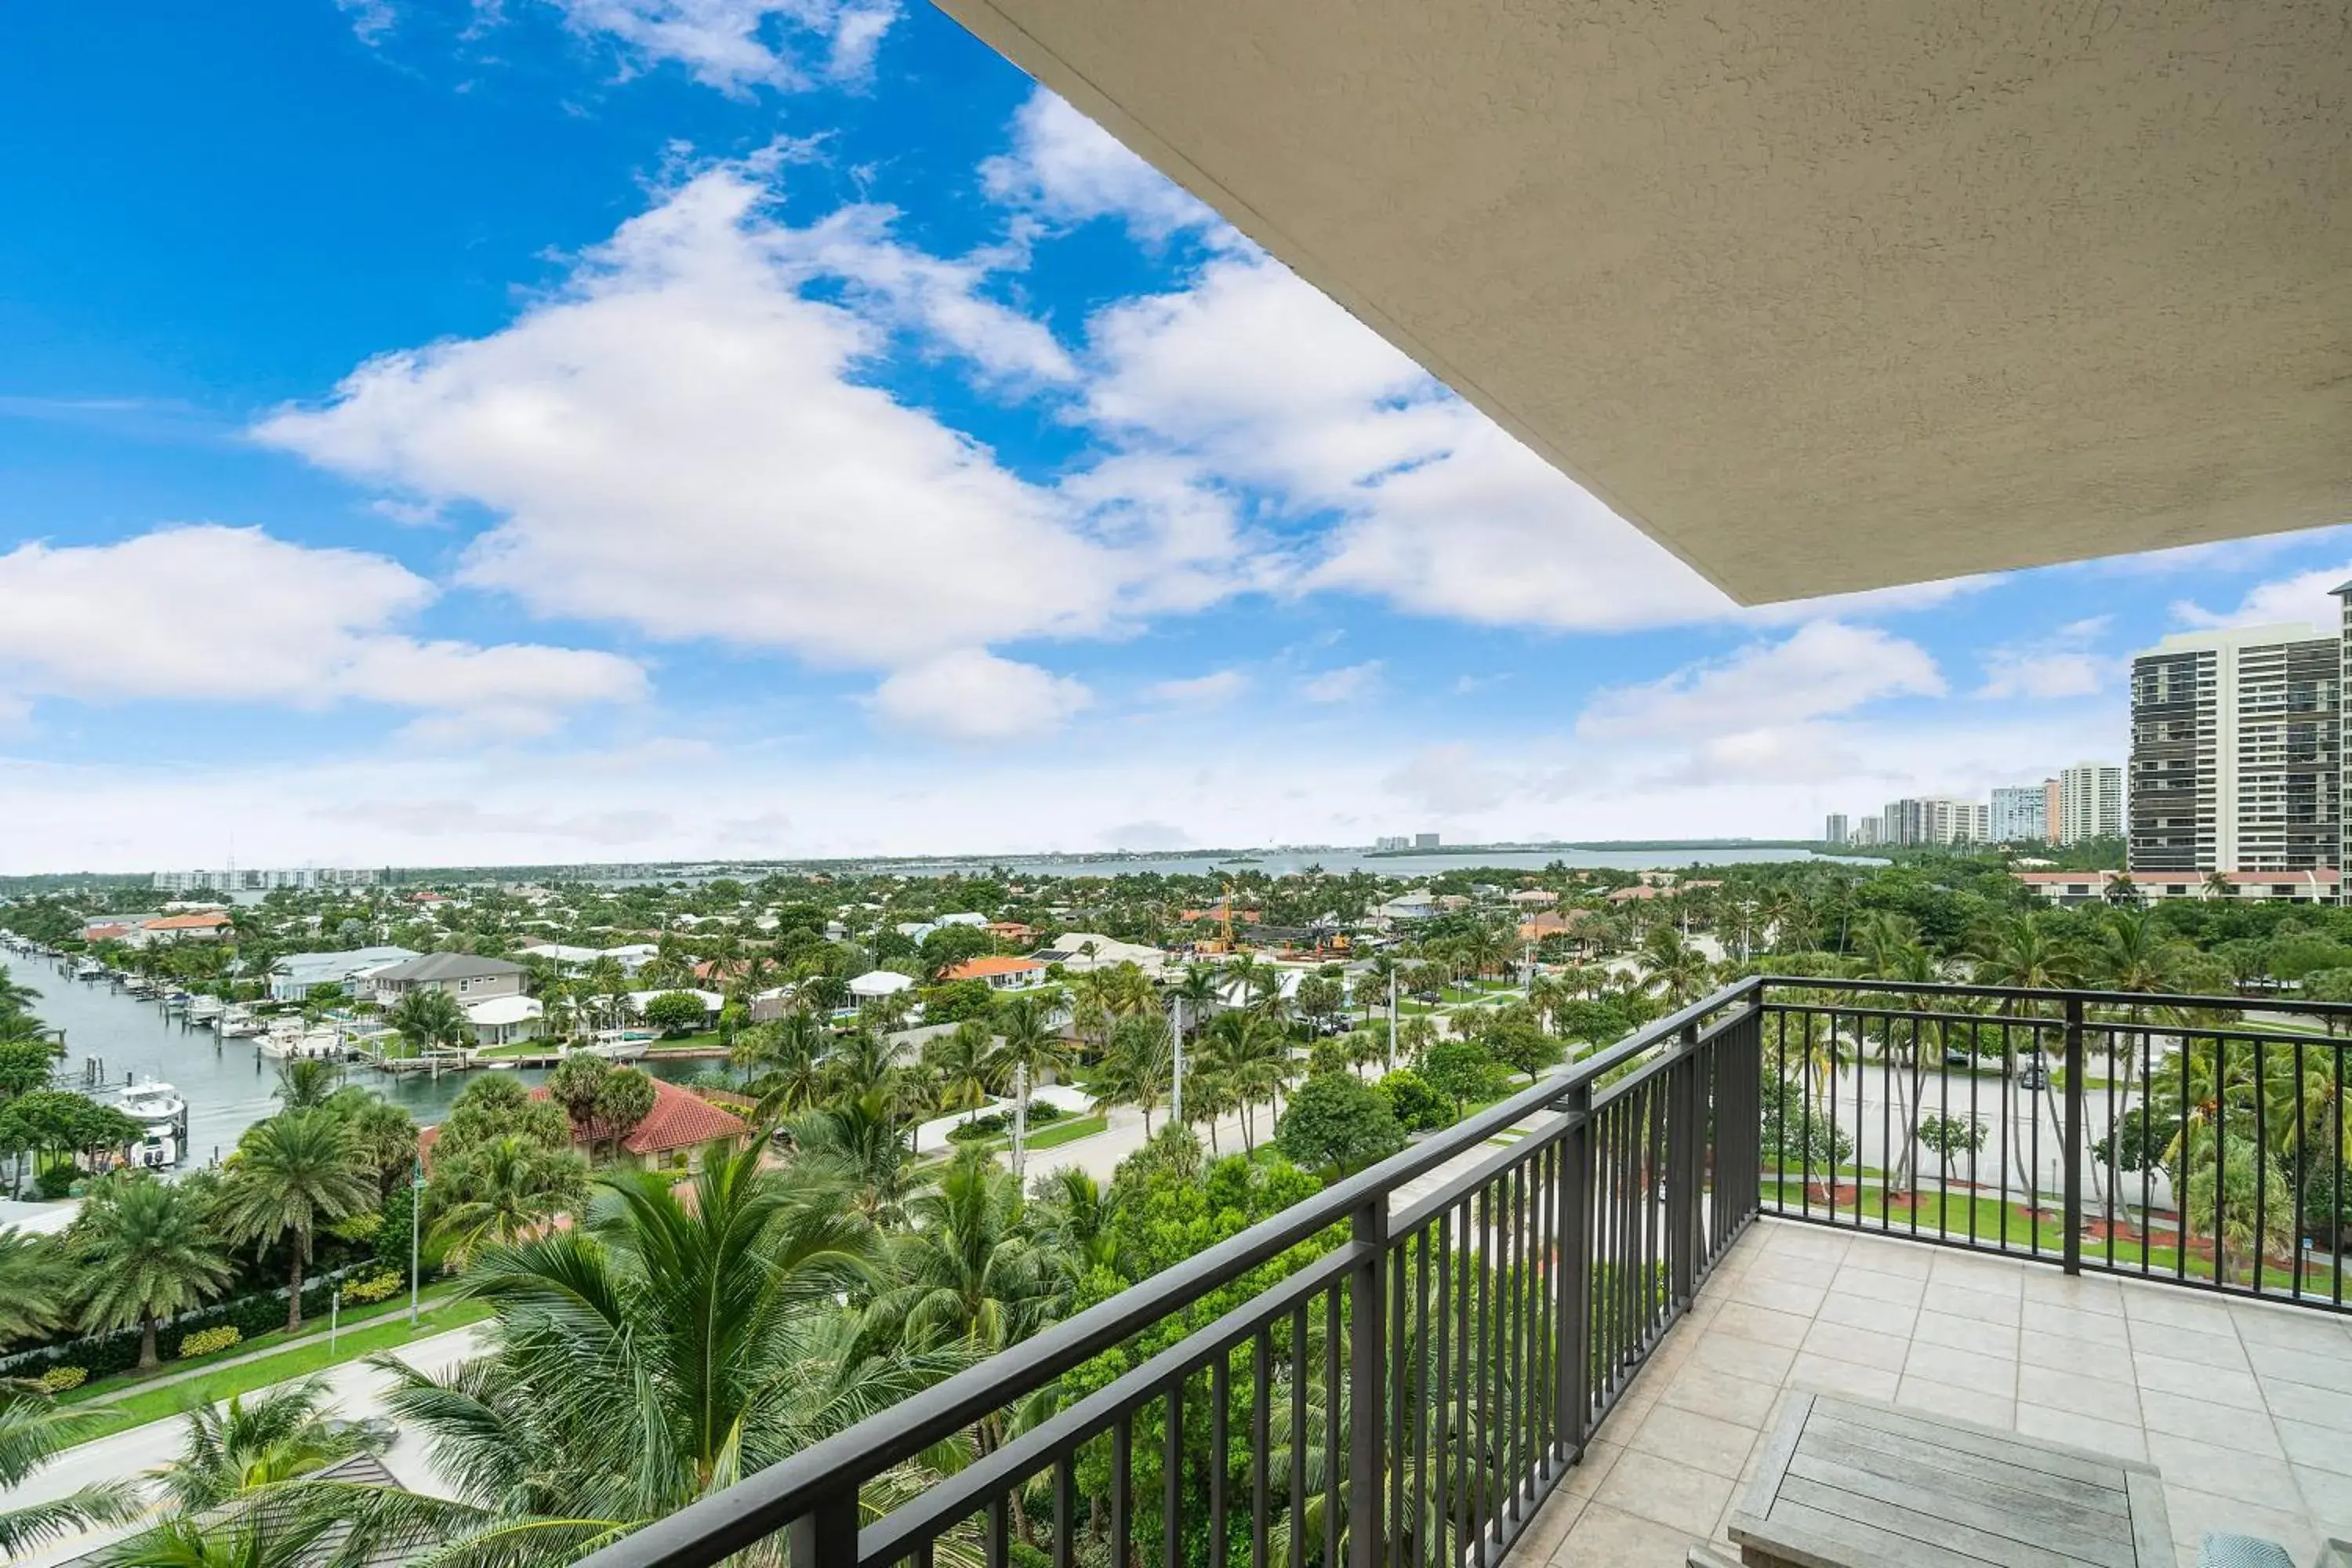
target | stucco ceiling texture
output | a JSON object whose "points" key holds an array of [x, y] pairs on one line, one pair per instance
{"points": [[1821, 296]]}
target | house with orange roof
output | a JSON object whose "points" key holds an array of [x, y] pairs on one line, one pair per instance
{"points": [[1000, 974], [204, 925]]}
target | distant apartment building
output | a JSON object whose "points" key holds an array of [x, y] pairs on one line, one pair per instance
{"points": [[2090, 802], [1396, 841], [235, 879], [2236, 758], [1867, 833], [1424, 841], [2018, 813], [1834, 830]]}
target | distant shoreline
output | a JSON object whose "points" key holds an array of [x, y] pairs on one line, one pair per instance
{"points": [[1605, 845]]}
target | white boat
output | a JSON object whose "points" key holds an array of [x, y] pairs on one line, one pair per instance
{"points": [[88, 969], [163, 1116], [203, 1009], [236, 1023]]}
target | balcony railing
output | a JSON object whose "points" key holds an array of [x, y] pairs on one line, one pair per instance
{"points": [[1389, 1375]]}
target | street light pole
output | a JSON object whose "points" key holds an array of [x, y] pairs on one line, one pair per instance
{"points": [[1393, 974], [1176, 1034], [416, 1213], [1019, 1114]]}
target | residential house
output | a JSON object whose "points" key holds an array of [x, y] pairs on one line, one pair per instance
{"points": [[1079, 951], [204, 925], [292, 977], [461, 975], [505, 1020], [1000, 974], [877, 983]]}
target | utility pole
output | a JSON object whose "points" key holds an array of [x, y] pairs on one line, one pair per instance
{"points": [[1020, 1113], [416, 1212], [1393, 974]]}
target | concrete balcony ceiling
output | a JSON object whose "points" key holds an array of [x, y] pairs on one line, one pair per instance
{"points": [[1820, 296]]}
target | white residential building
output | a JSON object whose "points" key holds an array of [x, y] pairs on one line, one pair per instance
{"points": [[2017, 815], [2090, 802], [2236, 755]]}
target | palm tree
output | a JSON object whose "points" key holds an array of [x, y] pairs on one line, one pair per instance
{"points": [[503, 1191], [1138, 1067], [306, 1083], [430, 1020], [294, 1173], [1252, 1058], [34, 1282], [148, 1251], [34, 1431], [254, 1441], [969, 1273], [250, 1540], [855, 1144], [785, 1058], [1027, 1049], [657, 1352], [1679, 970], [963, 1059]]}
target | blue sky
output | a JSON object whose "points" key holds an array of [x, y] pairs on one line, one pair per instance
{"points": [[594, 429]]}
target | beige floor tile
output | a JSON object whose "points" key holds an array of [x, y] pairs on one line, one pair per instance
{"points": [[2217, 1384], [1666, 1492], [2312, 1406], [2092, 1358], [1839, 1343], [1761, 1323], [1964, 1404], [2006, 1309], [1585, 1476], [2327, 1495], [2107, 1399], [1718, 1448], [2193, 1512], [1985, 1275], [1863, 1314], [1750, 1358], [1967, 1368], [1779, 1295], [1724, 1397], [1548, 1528], [2045, 1284], [2226, 1472], [2082, 1431], [2175, 1308], [2332, 1372], [1853, 1283], [2248, 1431], [2051, 1320], [1605, 1537], [1797, 1267], [2290, 1328], [2188, 1344], [2315, 1448], [1905, 1262], [1963, 1333], [1821, 1375]]}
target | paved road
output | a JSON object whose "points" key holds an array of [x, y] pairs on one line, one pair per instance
{"points": [[356, 1388]]}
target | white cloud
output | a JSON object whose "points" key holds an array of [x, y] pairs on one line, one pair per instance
{"points": [[734, 44], [1819, 671], [1213, 690], [2307, 596], [686, 441], [219, 614], [970, 695], [2063, 664], [1068, 169], [370, 19], [1349, 683]]}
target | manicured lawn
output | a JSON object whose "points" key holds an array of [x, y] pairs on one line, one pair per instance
{"points": [[122, 1385], [1051, 1136], [311, 1354]]}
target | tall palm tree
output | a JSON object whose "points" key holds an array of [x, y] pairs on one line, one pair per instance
{"points": [[306, 1083], [430, 1020], [1252, 1056], [295, 1172], [33, 1432], [969, 1273], [659, 1351], [785, 1059], [1027, 1048], [254, 1441], [148, 1250], [854, 1144], [503, 1191], [1138, 1067], [963, 1059], [36, 1280]]}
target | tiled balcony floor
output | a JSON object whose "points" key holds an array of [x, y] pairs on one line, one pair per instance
{"points": [[2245, 1407]]}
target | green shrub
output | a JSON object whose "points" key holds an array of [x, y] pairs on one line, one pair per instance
{"points": [[57, 1379], [56, 1181], [205, 1342], [374, 1287], [1418, 1108], [977, 1128], [1040, 1112]]}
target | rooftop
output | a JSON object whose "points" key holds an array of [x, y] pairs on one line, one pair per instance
{"points": [[448, 966], [982, 968]]}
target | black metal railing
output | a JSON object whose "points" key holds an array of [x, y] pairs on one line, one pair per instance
{"points": [[1383, 1374], [2196, 1140]]}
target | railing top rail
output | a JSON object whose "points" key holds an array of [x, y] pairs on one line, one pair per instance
{"points": [[2057, 993], [766, 1501]]}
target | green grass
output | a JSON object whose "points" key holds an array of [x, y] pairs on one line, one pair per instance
{"points": [[123, 1384], [1062, 1133], [311, 1353]]}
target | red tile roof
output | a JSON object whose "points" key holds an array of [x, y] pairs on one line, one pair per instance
{"points": [[211, 921], [678, 1120], [982, 968]]}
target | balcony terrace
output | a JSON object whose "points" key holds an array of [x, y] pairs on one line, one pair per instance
{"points": [[1555, 1333]]}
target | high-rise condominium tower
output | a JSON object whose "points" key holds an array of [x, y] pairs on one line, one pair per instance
{"points": [[2090, 802], [2237, 747]]}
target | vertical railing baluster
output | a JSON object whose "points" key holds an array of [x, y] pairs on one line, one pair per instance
{"points": [[1368, 1349], [1122, 1489], [1299, 1437], [1261, 1447], [2071, 1139], [1221, 1393], [1335, 1453], [1066, 1511], [1171, 1477], [826, 1535]]}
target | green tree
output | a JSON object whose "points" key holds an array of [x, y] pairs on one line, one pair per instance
{"points": [[297, 1172], [661, 1350], [35, 1283], [1338, 1123], [501, 1191], [430, 1020], [967, 1272], [1417, 1107], [33, 1432], [675, 1012], [148, 1250], [24, 1065], [1463, 1072], [306, 1083], [254, 1441]]}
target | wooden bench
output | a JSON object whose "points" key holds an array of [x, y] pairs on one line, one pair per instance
{"points": [[1852, 1483]]}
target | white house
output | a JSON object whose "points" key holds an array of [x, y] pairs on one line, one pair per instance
{"points": [[504, 1020], [961, 918], [877, 983], [1080, 951], [999, 973], [292, 976]]}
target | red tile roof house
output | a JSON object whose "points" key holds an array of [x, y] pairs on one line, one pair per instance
{"points": [[204, 927], [677, 1134], [1002, 973]]}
